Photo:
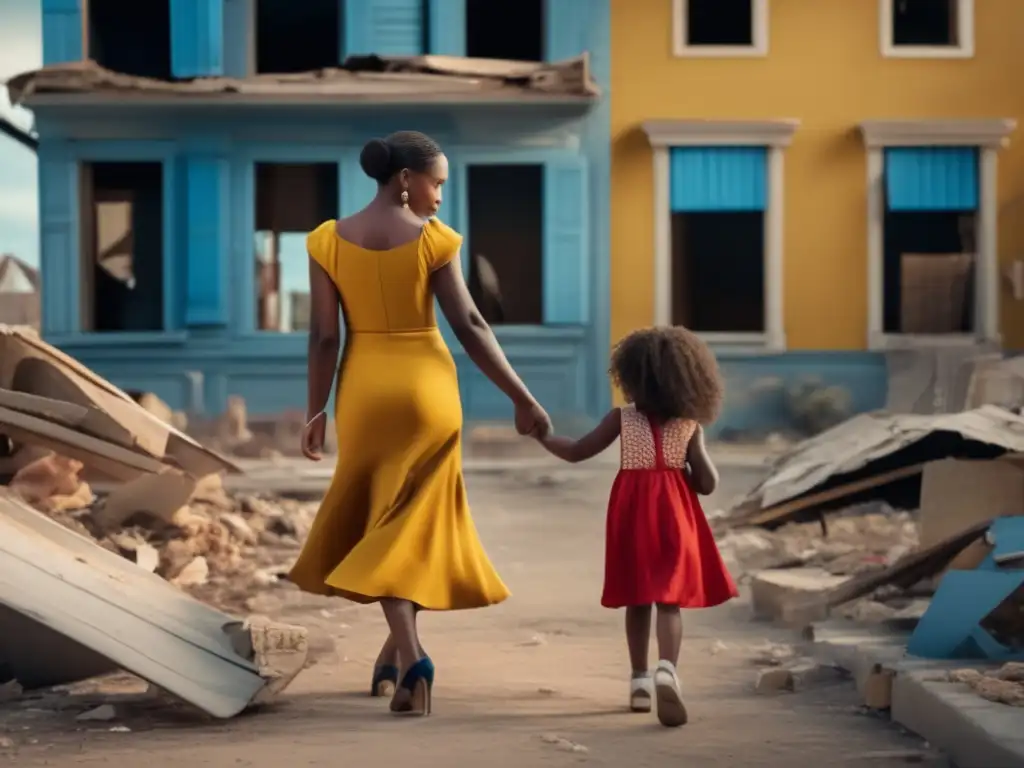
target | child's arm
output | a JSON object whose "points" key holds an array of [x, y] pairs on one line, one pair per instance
{"points": [[590, 444], [703, 475]]}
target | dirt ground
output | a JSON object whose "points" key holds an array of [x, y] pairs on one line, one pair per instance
{"points": [[541, 680]]}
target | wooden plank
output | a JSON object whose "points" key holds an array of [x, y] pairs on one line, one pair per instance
{"points": [[129, 616], [92, 421], [780, 512]]}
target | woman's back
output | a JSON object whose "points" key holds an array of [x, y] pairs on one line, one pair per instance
{"points": [[385, 290]]}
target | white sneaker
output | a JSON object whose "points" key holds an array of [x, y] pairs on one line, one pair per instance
{"points": [[671, 711], [641, 693]]}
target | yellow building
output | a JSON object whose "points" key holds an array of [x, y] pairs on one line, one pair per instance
{"points": [[811, 183]]}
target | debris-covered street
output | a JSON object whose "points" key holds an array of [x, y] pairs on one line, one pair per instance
{"points": [[540, 680]]}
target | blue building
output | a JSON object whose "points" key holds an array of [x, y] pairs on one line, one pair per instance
{"points": [[173, 211]]}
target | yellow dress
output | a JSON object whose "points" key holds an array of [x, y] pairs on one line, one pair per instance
{"points": [[395, 521]]}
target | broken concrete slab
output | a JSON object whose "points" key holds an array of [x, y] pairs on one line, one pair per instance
{"points": [[793, 596], [119, 615]]}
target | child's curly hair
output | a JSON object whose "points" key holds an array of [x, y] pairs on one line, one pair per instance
{"points": [[668, 373]]}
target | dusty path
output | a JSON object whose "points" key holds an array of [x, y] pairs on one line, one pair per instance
{"points": [[518, 685]]}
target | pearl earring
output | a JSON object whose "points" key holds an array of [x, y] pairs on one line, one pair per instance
{"points": [[405, 198]]}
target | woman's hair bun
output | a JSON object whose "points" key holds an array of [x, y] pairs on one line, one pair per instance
{"points": [[375, 160]]}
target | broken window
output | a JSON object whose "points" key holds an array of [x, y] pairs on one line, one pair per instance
{"points": [[512, 31], [292, 199], [297, 36], [927, 23], [506, 238], [130, 36], [123, 246], [929, 267], [719, 22], [718, 276]]}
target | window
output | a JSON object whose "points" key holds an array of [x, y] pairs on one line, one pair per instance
{"points": [[506, 242], [130, 36], [927, 28], [291, 200], [928, 282], [297, 36], [512, 31], [718, 271], [122, 246], [720, 27]]}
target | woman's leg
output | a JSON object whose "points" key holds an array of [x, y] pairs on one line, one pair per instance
{"points": [[388, 656], [401, 618]]}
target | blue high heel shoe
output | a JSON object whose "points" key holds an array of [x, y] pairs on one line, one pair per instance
{"points": [[412, 696], [385, 680]]}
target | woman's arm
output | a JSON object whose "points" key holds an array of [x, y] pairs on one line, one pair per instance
{"points": [[703, 475], [474, 333], [590, 444], [324, 338]]}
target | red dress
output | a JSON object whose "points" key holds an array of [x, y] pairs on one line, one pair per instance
{"points": [[659, 547]]}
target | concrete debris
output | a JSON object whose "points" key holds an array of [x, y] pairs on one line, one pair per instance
{"points": [[796, 675], [788, 595], [1003, 686], [10, 690], [101, 713]]}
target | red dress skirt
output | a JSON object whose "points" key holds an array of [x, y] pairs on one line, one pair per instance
{"points": [[659, 547]]}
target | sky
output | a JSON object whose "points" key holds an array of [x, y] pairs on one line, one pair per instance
{"points": [[20, 50]]}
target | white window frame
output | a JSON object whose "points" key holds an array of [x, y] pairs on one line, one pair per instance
{"points": [[989, 136], [964, 49], [775, 136], [759, 35]]}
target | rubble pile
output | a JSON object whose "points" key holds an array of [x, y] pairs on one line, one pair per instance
{"points": [[1003, 686], [156, 529], [234, 543]]}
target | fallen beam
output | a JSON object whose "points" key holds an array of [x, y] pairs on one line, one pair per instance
{"points": [[108, 605]]}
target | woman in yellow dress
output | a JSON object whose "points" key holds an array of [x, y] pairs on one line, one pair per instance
{"points": [[395, 526]]}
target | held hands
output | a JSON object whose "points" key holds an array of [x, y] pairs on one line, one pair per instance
{"points": [[313, 435], [532, 420]]}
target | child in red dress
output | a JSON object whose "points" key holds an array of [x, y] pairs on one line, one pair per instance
{"points": [[659, 548]]}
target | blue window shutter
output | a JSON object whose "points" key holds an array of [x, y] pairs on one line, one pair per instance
{"points": [[566, 256], [62, 31], [197, 38], [705, 179], [931, 178], [446, 27], [59, 238], [237, 27], [565, 26], [207, 245], [384, 27]]}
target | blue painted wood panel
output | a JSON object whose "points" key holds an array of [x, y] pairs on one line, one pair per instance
{"points": [[565, 28], [197, 38], [238, 24], [62, 31], [205, 219], [446, 27], [566, 254], [931, 178], [356, 188], [705, 179], [59, 239], [385, 27]]}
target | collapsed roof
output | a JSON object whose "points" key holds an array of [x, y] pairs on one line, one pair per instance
{"points": [[374, 79]]}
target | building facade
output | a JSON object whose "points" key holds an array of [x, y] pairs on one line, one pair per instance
{"points": [[173, 224], [817, 187]]}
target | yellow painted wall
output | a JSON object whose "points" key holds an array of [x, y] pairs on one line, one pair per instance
{"points": [[825, 69]]}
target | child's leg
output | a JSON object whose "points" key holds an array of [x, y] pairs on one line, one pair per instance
{"points": [[671, 710], [638, 638], [669, 633]]}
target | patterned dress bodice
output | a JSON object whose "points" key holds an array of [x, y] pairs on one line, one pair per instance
{"points": [[639, 447]]}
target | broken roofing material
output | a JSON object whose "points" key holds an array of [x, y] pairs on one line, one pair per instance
{"points": [[49, 399], [874, 456], [374, 79], [96, 611]]}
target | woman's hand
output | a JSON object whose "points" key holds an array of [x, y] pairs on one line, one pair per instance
{"points": [[532, 420], [313, 435]]}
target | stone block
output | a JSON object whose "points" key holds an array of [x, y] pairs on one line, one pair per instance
{"points": [[793, 596]]}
